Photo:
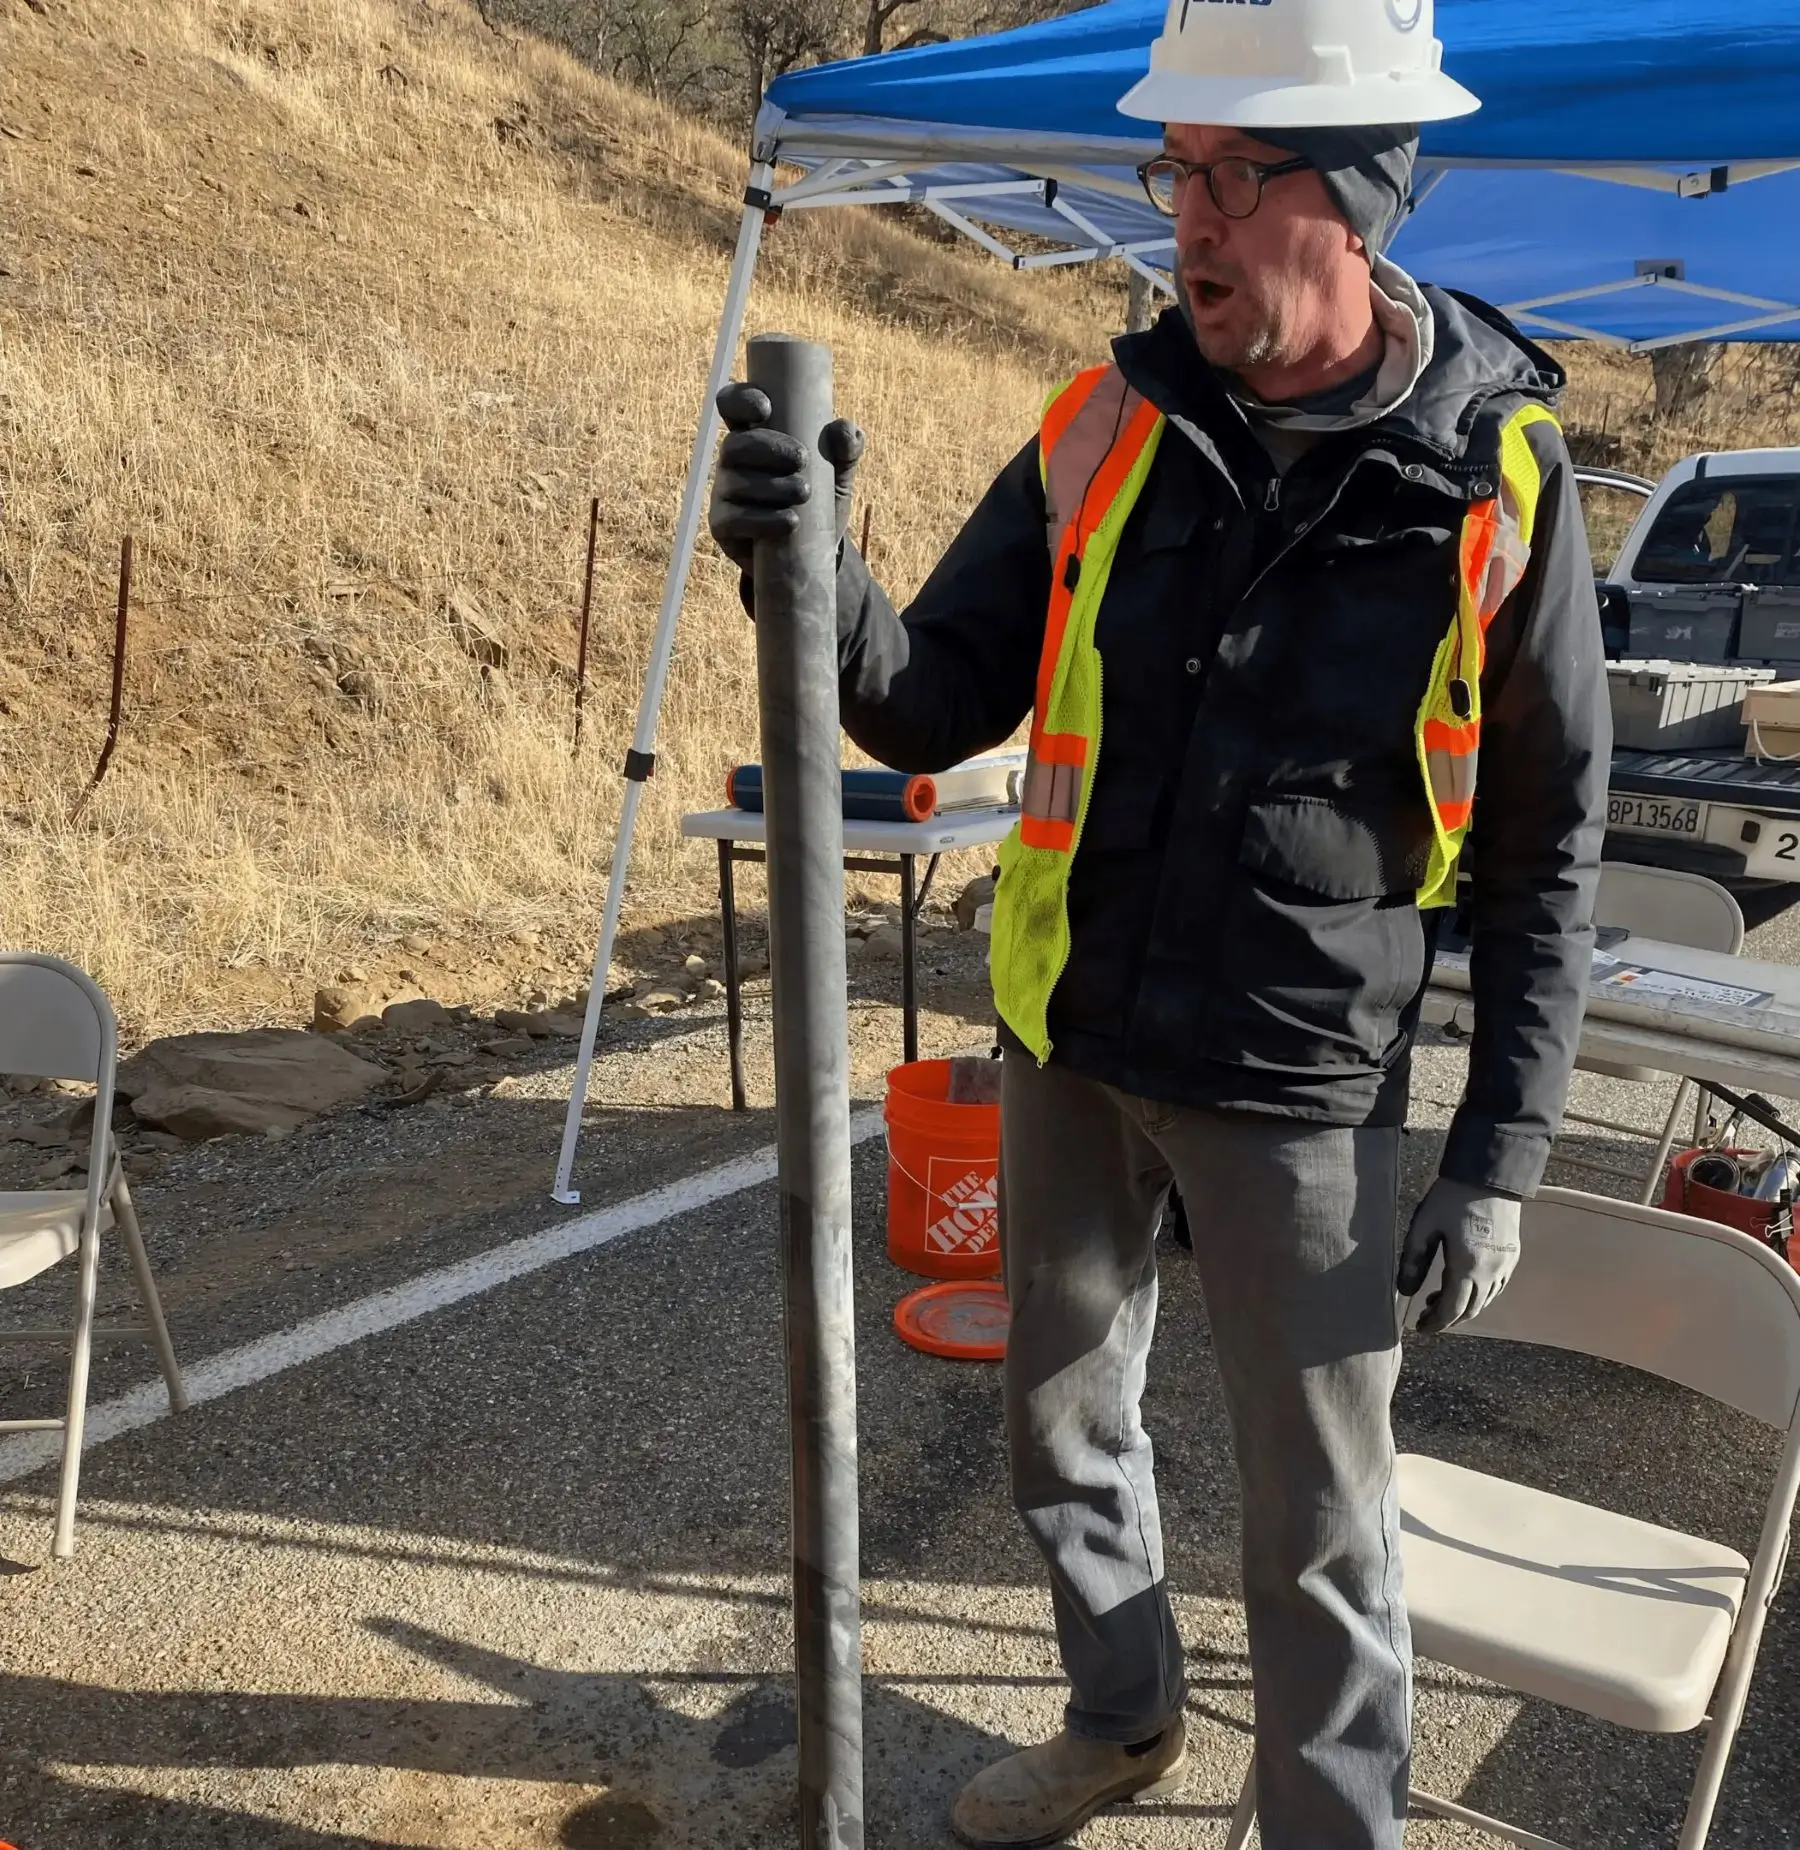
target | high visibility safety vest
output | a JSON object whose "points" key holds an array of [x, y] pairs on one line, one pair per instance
{"points": [[1096, 444]]}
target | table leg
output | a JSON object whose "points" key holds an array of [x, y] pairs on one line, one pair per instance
{"points": [[909, 951], [931, 868], [734, 1009]]}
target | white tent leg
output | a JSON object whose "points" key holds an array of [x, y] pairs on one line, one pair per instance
{"points": [[643, 740]]}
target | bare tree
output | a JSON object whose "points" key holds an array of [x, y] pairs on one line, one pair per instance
{"points": [[661, 46], [1683, 375], [1140, 303], [881, 14], [776, 35]]}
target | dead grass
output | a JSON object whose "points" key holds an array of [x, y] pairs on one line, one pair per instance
{"points": [[343, 307], [333, 346]]}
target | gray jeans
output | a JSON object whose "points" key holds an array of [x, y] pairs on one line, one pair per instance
{"points": [[1296, 1241]]}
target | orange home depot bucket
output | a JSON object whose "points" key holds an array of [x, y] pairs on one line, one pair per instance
{"points": [[943, 1170]]}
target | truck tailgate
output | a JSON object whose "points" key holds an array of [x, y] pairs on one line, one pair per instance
{"points": [[1710, 777]]}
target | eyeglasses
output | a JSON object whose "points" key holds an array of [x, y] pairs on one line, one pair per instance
{"points": [[1236, 185]]}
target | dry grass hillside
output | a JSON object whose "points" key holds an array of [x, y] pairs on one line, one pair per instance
{"points": [[343, 308]]}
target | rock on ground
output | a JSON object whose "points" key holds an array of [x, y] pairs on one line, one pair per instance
{"points": [[265, 1079], [195, 1113], [978, 893], [418, 1016]]}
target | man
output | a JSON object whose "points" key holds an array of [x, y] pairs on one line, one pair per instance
{"points": [[1309, 539]]}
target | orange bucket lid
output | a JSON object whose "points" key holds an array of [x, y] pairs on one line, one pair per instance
{"points": [[962, 1320]]}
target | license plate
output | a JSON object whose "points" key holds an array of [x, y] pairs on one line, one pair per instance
{"points": [[1655, 816]]}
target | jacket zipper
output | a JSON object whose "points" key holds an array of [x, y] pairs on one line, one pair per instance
{"points": [[1271, 501]]}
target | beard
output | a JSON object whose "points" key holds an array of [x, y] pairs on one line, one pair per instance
{"points": [[1252, 335]]}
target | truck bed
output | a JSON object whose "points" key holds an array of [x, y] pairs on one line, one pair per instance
{"points": [[1722, 776]]}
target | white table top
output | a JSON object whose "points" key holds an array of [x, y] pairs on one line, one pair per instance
{"points": [[1746, 1041], [955, 828]]}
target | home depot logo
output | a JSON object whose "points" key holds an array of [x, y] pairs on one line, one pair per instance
{"points": [[970, 1222]]}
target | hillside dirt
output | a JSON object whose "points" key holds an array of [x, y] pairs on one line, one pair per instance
{"points": [[344, 312]]}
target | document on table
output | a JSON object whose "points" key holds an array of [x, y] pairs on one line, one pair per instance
{"points": [[1642, 981], [1613, 973]]}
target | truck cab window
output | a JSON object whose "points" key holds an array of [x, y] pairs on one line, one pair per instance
{"points": [[1725, 531]]}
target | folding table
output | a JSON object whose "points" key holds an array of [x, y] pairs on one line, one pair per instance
{"points": [[869, 847], [1746, 1035]]}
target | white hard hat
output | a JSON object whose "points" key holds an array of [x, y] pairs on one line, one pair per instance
{"points": [[1297, 64]]}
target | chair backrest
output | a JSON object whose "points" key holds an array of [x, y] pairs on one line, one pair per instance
{"points": [[54, 1021], [1690, 1300], [1678, 908]]}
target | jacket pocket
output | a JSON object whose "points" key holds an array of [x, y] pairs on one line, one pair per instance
{"points": [[1322, 945]]}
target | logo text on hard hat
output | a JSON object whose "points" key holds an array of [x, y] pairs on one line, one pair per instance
{"points": [[1187, 4]]}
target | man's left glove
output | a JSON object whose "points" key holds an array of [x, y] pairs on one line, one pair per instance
{"points": [[762, 477], [1479, 1233]]}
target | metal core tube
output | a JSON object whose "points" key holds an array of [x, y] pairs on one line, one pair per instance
{"points": [[797, 683]]}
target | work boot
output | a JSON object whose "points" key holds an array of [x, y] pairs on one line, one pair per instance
{"points": [[1047, 1793]]}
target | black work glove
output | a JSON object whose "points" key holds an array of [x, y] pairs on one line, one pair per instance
{"points": [[1479, 1232], [762, 478]]}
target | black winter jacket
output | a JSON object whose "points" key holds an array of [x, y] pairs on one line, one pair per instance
{"points": [[1242, 900]]}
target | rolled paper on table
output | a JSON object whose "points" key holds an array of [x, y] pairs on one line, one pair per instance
{"points": [[869, 795]]}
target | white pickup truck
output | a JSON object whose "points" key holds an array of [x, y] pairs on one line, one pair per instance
{"points": [[1708, 571]]}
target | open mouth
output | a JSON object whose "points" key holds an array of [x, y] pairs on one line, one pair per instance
{"points": [[1205, 293]]}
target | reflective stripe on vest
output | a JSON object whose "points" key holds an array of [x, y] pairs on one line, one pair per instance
{"points": [[1096, 433], [1494, 549], [1096, 443], [1095, 446]]}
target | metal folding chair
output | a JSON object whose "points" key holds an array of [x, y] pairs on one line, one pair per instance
{"points": [[55, 1024], [1639, 1625], [1677, 908]]}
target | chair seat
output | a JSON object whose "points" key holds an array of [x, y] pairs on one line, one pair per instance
{"points": [[39, 1228], [1563, 1601]]}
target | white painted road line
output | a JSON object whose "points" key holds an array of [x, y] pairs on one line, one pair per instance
{"points": [[419, 1297]]}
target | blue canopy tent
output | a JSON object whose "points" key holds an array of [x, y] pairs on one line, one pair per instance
{"points": [[1633, 176], [1639, 126]]}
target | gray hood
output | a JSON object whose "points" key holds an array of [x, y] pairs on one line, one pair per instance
{"points": [[1405, 320]]}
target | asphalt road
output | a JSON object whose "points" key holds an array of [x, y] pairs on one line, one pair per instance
{"points": [[514, 1574]]}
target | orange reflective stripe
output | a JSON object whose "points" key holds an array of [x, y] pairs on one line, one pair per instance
{"points": [[1094, 433], [1060, 748], [1041, 832], [1109, 478], [1061, 412], [1480, 528], [1455, 738], [1086, 471], [1055, 623], [1077, 450]]}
